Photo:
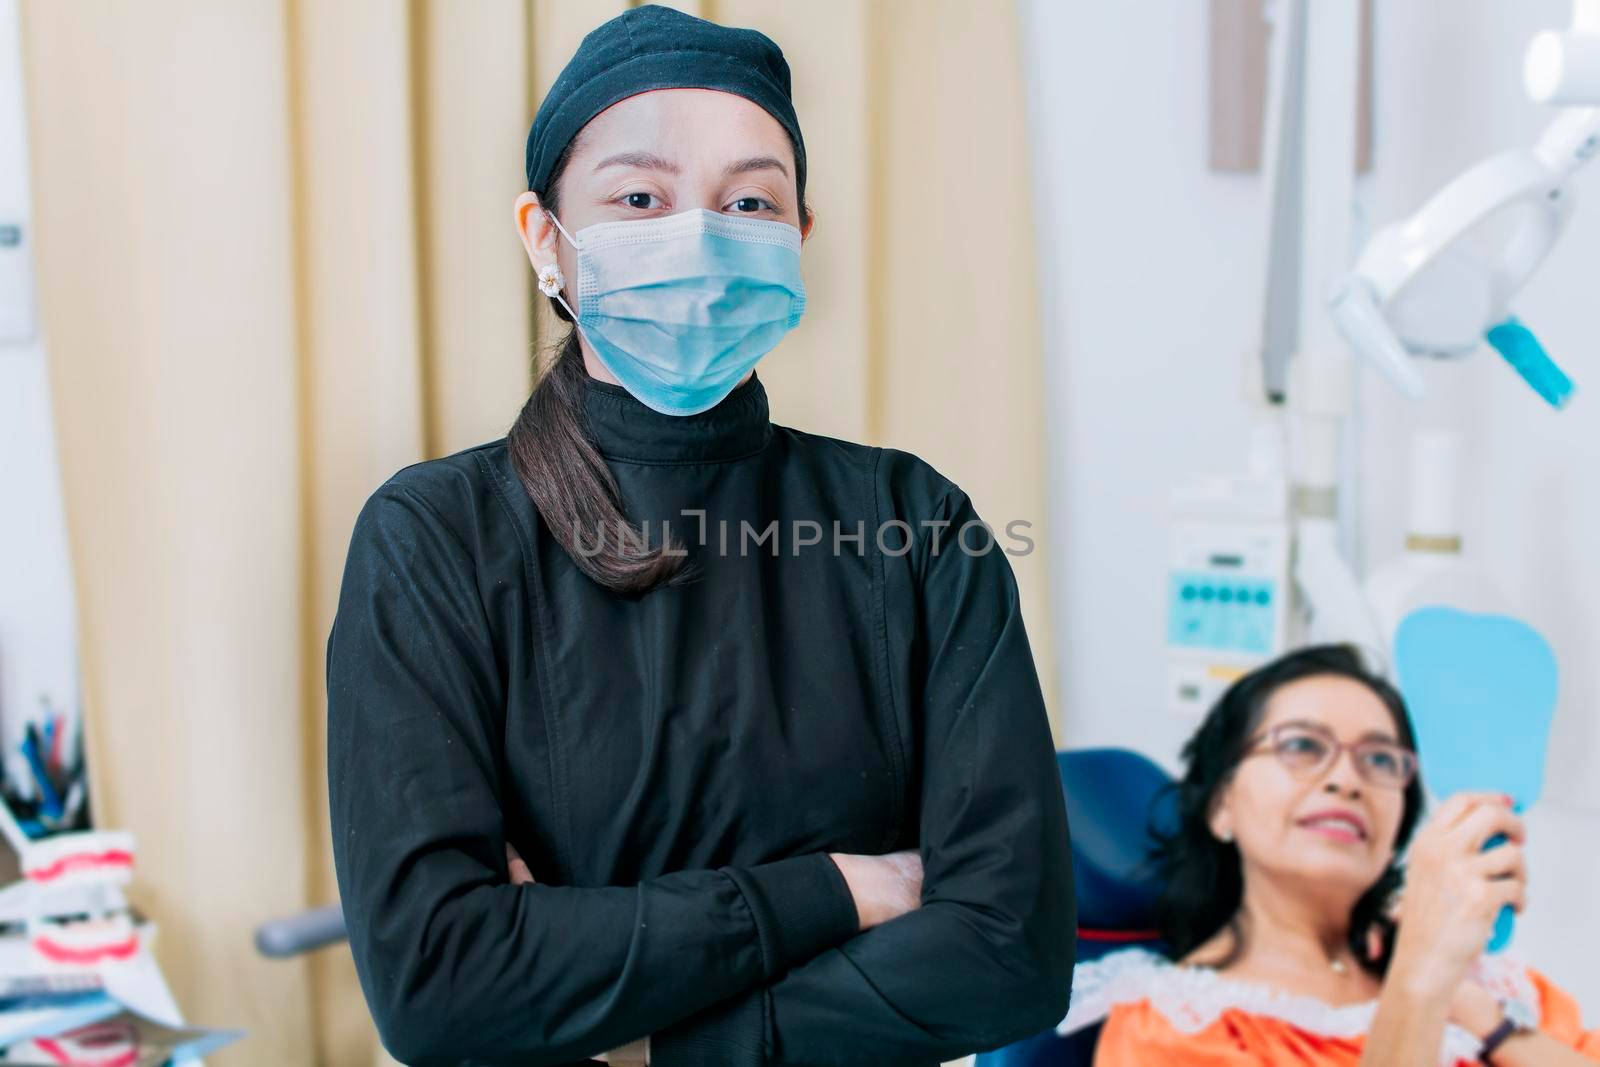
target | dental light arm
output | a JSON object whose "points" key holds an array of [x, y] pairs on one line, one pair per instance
{"points": [[1441, 281], [1337, 608], [1355, 312], [1570, 141]]}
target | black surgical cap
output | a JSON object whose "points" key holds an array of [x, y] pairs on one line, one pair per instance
{"points": [[654, 47]]}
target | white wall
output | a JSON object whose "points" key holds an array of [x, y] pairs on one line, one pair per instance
{"points": [[1151, 268]]}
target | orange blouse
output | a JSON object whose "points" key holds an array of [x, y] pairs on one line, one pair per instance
{"points": [[1156, 1012]]}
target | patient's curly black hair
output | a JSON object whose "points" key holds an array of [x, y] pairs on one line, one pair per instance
{"points": [[1203, 885]]}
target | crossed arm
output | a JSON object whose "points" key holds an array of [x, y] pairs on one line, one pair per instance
{"points": [[754, 965], [883, 888]]}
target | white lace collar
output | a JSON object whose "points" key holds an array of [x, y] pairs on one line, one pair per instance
{"points": [[1192, 998]]}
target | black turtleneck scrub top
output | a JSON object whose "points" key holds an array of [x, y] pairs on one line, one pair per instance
{"points": [[674, 767]]}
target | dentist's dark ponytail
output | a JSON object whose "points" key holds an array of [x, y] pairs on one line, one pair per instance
{"points": [[574, 490], [563, 472]]}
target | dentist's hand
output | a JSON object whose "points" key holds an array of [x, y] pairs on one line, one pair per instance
{"points": [[518, 867], [885, 887], [633, 1054]]}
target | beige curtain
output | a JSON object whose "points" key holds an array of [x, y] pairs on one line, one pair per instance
{"points": [[276, 263]]}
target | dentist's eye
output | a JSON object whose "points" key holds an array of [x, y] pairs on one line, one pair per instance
{"points": [[642, 201], [750, 204]]}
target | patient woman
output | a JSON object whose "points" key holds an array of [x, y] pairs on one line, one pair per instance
{"points": [[1288, 942]]}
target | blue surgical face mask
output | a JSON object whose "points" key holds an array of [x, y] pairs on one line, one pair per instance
{"points": [[680, 307]]}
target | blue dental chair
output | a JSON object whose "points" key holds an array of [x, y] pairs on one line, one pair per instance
{"points": [[1113, 798]]}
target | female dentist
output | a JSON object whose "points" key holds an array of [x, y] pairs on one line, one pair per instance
{"points": [[659, 732]]}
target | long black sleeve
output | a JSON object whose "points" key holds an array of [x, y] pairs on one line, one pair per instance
{"points": [[987, 959], [457, 964]]}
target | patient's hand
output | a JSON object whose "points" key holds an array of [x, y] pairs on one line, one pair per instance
{"points": [[1475, 1009], [1454, 890]]}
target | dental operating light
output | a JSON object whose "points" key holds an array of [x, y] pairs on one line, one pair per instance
{"points": [[1441, 281], [1564, 68]]}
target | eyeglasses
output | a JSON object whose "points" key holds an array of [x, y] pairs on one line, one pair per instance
{"points": [[1307, 751]]}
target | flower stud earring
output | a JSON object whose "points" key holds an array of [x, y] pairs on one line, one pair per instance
{"points": [[1226, 837], [551, 280]]}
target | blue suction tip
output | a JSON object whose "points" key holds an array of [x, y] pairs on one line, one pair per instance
{"points": [[1528, 358]]}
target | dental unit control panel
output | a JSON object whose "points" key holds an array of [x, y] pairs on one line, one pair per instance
{"points": [[1227, 585]]}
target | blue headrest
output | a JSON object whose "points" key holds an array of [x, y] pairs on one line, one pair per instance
{"points": [[1113, 797]]}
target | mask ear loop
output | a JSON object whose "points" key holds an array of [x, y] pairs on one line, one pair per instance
{"points": [[551, 280]]}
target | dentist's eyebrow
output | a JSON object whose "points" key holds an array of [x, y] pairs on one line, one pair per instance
{"points": [[642, 160], [744, 166]]}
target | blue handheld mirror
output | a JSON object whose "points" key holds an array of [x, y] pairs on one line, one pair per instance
{"points": [[1481, 690]]}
